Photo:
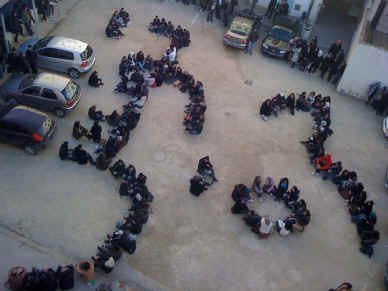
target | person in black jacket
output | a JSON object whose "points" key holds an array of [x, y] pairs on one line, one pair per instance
{"points": [[206, 168], [81, 156], [31, 57], [266, 109], [197, 185], [65, 275], [95, 115], [94, 80], [291, 103], [95, 132], [64, 152]]}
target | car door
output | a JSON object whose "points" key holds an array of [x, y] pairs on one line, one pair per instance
{"points": [[30, 96], [48, 99], [49, 58], [65, 60]]}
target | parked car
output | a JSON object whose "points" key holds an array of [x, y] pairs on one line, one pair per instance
{"points": [[240, 28], [62, 54], [385, 127], [45, 91], [275, 43], [25, 127]]}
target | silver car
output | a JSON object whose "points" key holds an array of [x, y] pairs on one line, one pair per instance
{"points": [[61, 54], [45, 91]]}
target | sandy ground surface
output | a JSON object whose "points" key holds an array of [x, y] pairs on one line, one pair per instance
{"points": [[196, 243]]}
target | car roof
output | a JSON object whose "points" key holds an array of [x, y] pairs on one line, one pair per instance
{"points": [[68, 44], [50, 80], [28, 118]]}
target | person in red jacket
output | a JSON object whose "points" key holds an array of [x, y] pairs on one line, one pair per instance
{"points": [[322, 164]]}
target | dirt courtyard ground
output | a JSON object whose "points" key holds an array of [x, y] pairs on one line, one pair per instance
{"points": [[196, 243]]}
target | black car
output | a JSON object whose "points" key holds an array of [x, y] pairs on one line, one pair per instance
{"points": [[26, 128]]}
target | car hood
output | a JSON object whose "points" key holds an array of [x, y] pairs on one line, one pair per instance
{"points": [[276, 43], [24, 46], [13, 84]]}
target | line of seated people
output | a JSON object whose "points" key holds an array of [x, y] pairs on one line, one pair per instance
{"points": [[262, 225], [348, 186], [118, 20], [313, 102], [179, 37]]}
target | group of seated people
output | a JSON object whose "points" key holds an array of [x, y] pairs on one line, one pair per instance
{"points": [[119, 19], [147, 72], [205, 178], [306, 103], [346, 181], [41, 279], [179, 37], [262, 225]]}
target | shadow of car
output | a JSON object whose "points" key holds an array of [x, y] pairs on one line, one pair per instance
{"points": [[26, 128], [44, 91], [61, 54]]}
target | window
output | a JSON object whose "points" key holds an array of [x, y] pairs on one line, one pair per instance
{"points": [[49, 94], [47, 52], [60, 54], [34, 90], [42, 42], [56, 53]]}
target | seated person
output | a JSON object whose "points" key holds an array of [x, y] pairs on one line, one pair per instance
{"points": [[95, 132], [124, 15], [113, 32], [343, 287], [154, 25], [95, 115], [322, 164], [129, 174], [206, 168], [148, 63], [94, 81], [79, 131], [113, 119], [122, 240], [257, 187], [240, 207], [102, 162], [281, 189], [117, 19], [197, 185], [241, 192], [333, 171], [162, 27], [170, 29], [284, 227], [264, 228], [186, 38], [118, 169], [252, 218], [64, 152], [81, 156], [266, 109], [269, 186], [105, 264], [129, 224], [291, 196]]}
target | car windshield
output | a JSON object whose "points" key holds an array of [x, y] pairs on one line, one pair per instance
{"points": [[42, 42], [27, 81], [87, 53], [239, 28], [281, 34], [45, 127], [70, 90]]}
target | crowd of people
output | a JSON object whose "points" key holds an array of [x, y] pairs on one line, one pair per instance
{"points": [[378, 98], [308, 57], [262, 225], [346, 181], [205, 178], [120, 19]]}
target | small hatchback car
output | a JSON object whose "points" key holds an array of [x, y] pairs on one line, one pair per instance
{"points": [[27, 128], [45, 91], [61, 54]]}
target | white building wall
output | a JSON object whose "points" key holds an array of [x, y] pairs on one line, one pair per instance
{"points": [[367, 64]]}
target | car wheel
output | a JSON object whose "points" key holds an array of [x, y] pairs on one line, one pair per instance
{"points": [[60, 112], [74, 74], [31, 150]]}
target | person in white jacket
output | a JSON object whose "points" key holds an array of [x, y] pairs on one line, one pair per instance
{"points": [[265, 227]]}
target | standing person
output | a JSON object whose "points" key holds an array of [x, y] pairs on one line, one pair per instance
{"points": [[211, 9], [14, 26], [283, 8], [219, 4], [271, 7], [23, 66], [252, 38], [233, 3], [31, 57], [335, 48], [225, 13], [28, 19]]}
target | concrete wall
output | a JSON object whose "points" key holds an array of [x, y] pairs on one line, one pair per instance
{"points": [[304, 5], [367, 64], [383, 22]]}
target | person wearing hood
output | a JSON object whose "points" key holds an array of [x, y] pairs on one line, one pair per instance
{"points": [[265, 229], [95, 132], [257, 187], [81, 156], [322, 164], [94, 80]]}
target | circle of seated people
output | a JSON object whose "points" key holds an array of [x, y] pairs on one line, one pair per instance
{"points": [[346, 181], [262, 225]]}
